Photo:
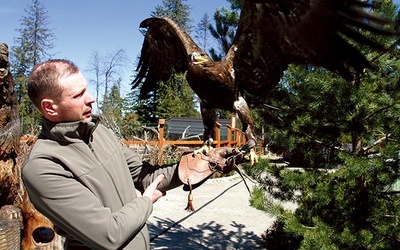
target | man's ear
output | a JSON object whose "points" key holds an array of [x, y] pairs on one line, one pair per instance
{"points": [[49, 107]]}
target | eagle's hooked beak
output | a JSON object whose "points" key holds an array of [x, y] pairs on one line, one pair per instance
{"points": [[197, 58]]}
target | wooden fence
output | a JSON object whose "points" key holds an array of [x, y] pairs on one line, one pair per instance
{"points": [[235, 138]]}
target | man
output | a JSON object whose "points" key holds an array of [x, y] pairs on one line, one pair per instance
{"points": [[80, 176]]}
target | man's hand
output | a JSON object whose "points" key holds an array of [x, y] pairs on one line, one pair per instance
{"points": [[225, 158], [152, 192]]}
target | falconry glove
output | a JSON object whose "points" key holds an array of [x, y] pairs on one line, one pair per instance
{"points": [[194, 170]]}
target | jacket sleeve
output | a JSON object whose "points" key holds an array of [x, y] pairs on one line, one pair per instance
{"points": [[75, 209], [143, 173]]}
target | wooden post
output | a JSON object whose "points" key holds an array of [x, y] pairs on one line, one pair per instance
{"points": [[233, 120], [229, 136], [218, 134], [261, 144], [231, 129], [237, 137], [161, 123], [243, 138]]}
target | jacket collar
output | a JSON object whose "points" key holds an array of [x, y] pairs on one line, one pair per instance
{"points": [[68, 132]]}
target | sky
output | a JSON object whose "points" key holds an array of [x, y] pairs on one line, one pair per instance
{"points": [[83, 26]]}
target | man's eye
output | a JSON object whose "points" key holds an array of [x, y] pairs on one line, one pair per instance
{"points": [[77, 96]]}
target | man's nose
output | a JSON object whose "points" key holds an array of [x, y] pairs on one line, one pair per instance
{"points": [[90, 99]]}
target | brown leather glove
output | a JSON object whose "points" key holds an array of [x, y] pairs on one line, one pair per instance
{"points": [[224, 159], [195, 169]]}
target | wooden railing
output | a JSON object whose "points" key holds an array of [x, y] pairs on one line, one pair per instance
{"points": [[235, 138]]}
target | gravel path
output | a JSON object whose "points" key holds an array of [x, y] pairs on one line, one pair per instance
{"points": [[224, 218]]}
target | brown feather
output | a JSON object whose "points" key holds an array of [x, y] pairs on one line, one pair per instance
{"points": [[273, 34]]}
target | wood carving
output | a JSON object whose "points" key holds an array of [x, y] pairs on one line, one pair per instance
{"points": [[10, 183]]}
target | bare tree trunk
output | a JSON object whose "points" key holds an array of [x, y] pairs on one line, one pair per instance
{"points": [[357, 143], [95, 68]]}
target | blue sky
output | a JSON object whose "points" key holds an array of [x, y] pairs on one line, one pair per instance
{"points": [[82, 26]]}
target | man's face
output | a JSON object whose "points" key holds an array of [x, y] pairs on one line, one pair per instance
{"points": [[76, 102]]}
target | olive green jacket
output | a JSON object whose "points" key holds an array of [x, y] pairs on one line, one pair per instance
{"points": [[81, 177]]}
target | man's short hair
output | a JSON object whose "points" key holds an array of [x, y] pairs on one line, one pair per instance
{"points": [[44, 79]]}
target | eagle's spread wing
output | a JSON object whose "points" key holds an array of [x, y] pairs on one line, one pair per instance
{"points": [[272, 34], [166, 47]]}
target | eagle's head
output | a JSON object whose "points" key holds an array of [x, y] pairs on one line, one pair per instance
{"points": [[198, 58]]}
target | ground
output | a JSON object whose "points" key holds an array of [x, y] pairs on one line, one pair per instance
{"points": [[224, 218]]}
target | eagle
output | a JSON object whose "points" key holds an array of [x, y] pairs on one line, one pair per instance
{"points": [[270, 36]]}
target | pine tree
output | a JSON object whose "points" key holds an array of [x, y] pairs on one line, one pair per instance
{"points": [[343, 137], [130, 127], [31, 48], [224, 31], [177, 99], [112, 108], [178, 11], [202, 33]]}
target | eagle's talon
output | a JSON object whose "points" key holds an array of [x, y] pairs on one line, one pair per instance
{"points": [[250, 144], [204, 149], [251, 156]]}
